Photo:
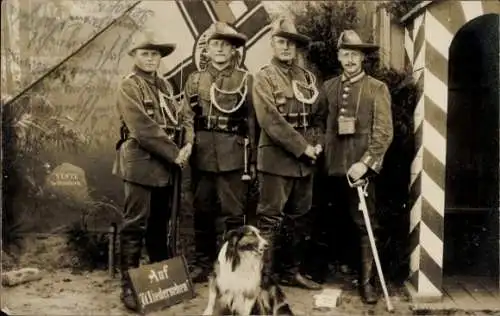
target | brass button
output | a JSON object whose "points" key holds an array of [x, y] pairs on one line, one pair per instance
{"points": [[345, 95], [347, 89], [342, 110]]}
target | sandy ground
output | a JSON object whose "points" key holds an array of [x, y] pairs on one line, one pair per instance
{"points": [[66, 291]]}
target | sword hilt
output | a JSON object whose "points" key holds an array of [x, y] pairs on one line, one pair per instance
{"points": [[246, 176]]}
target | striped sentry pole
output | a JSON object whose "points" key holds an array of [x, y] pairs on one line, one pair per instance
{"points": [[247, 17], [427, 41]]}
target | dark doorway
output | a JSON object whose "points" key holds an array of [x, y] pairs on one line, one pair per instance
{"points": [[471, 244]]}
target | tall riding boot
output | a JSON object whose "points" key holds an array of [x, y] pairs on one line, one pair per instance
{"points": [[268, 270], [293, 251], [367, 289], [291, 274], [204, 247], [130, 255]]}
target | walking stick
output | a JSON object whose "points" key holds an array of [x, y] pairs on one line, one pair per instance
{"points": [[363, 208]]}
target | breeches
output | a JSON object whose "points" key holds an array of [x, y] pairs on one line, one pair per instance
{"points": [[283, 198], [146, 215], [219, 203]]}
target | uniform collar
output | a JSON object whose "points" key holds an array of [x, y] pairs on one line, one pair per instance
{"points": [[285, 67], [150, 77], [226, 72], [353, 79]]}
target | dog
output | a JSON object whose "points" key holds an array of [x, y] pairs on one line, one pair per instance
{"points": [[237, 284]]}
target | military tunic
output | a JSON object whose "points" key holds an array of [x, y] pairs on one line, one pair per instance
{"points": [[288, 126], [145, 156], [148, 150], [218, 153], [369, 101]]}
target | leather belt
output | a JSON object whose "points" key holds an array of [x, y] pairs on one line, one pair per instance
{"points": [[298, 120], [221, 123]]}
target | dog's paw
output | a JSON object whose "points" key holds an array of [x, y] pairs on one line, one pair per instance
{"points": [[207, 312]]}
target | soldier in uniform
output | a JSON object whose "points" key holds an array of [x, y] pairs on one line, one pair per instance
{"points": [[359, 132], [146, 155], [224, 125], [290, 112]]}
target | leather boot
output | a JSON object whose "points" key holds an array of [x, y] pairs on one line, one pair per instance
{"points": [[268, 269], [200, 271], [205, 251], [130, 254], [293, 251], [367, 290], [156, 248]]}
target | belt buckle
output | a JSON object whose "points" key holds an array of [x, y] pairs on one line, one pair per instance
{"points": [[222, 122], [293, 119]]}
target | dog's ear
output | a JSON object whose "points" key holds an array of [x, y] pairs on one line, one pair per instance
{"points": [[232, 238], [231, 235]]}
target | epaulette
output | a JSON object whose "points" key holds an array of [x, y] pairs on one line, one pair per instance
{"points": [[130, 75], [265, 67]]}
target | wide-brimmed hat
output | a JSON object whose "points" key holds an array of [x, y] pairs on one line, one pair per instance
{"points": [[147, 40], [221, 30], [351, 40], [283, 27]]}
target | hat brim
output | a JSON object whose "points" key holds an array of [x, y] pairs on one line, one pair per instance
{"points": [[237, 40], [297, 38], [367, 48], [164, 49]]}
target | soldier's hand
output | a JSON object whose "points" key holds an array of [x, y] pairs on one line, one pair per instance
{"points": [[253, 171], [311, 152], [179, 161], [187, 149], [357, 171], [319, 149]]}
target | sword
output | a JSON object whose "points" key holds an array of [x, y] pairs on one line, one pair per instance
{"points": [[246, 176], [361, 188]]}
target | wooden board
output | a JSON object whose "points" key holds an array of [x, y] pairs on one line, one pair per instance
{"points": [[466, 293]]}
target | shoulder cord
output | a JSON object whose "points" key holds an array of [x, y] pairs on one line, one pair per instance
{"points": [[311, 85], [163, 105], [213, 101], [300, 97]]}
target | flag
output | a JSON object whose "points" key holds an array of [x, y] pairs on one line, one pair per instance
{"points": [[247, 17]]}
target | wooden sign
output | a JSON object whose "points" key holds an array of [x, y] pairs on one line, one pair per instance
{"points": [[162, 284]]}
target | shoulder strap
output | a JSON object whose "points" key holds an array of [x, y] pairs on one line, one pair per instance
{"points": [[272, 74], [138, 81]]}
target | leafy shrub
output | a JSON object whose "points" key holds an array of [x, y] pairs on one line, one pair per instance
{"points": [[31, 127], [398, 9]]}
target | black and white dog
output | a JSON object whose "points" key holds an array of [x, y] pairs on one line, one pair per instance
{"points": [[237, 285]]}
